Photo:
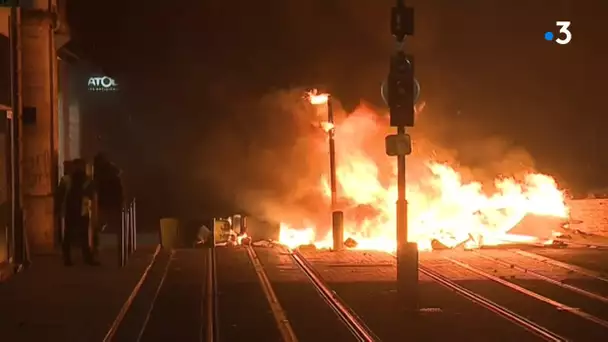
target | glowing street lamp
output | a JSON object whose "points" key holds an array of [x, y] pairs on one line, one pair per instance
{"points": [[324, 99]]}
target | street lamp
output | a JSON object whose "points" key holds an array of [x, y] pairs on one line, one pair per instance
{"points": [[320, 100]]}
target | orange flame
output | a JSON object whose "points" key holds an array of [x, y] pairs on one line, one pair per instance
{"points": [[442, 206], [326, 126], [317, 98]]}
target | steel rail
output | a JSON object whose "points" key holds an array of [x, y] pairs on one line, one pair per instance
{"points": [[501, 311], [127, 305], [144, 325], [355, 324], [544, 277], [210, 301], [280, 317], [570, 267], [537, 296], [497, 309]]}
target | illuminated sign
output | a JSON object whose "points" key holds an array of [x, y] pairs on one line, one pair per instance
{"points": [[104, 83]]}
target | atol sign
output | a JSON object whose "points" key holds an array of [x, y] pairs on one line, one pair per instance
{"points": [[104, 83]]}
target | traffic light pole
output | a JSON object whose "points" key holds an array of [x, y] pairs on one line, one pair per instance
{"points": [[337, 217], [401, 99], [407, 252]]}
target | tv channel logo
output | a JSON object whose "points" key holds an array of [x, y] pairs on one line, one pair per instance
{"points": [[563, 36]]}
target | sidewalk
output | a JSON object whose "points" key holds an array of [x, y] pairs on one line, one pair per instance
{"points": [[6, 271], [51, 302]]}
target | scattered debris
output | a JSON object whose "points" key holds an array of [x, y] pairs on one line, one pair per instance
{"points": [[246, 241], [437, 245], [351, 243], [574, 221], [263, 243], [203, 235], [309, 246]]}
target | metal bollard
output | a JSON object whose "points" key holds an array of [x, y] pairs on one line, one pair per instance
{"points": [[134, 224], [125, 245], [133, 231], [121, 240], [128, 234]]}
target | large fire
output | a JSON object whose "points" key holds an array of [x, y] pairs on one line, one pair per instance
{"points": [[442, 206]]}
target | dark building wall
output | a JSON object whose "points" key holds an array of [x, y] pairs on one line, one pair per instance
{"points": [[5, 71], [107, 125], [101, 113], [69, 114]]}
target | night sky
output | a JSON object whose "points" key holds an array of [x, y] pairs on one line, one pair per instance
{"points": [[193, 68]]}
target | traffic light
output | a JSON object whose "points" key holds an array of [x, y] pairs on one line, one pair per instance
{"points": [[401, 90], [402, 21]]}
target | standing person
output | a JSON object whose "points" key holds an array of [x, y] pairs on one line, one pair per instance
{"points": [[67, 169], [110, 198], [76, 195]]}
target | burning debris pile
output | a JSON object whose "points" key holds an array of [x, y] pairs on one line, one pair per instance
{"points": [[445, 209]]}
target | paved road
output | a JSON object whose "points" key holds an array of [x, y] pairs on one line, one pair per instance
{"points": [[244, 313], [560, 319], [50, 302], [367, 282], [596, 259], [310, 317], [170, 303]]}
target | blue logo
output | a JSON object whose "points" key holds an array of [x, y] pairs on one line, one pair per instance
{"points": [[549, 36]]}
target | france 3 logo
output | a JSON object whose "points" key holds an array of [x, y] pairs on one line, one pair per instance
{"points": [[563, 36]]}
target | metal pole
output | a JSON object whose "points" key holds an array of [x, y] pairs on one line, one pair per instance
{"points": [[332, 152], [18, 242], [336, 216], [8, 160], [133, 228], [135, 224], [132, 231], [128, 234], [121, 240], [402, 225], [407, 252]]}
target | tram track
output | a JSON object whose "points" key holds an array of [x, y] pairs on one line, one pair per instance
{"points": [[438, 276], [540, 271], [170, 300], [528, 291], [533, 292], [442, 302], [570, 267], [525, 323], [346, 316]]}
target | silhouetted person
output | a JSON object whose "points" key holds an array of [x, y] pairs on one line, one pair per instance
{"points": [[75, 196], [67, 167], [110, 198]]}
